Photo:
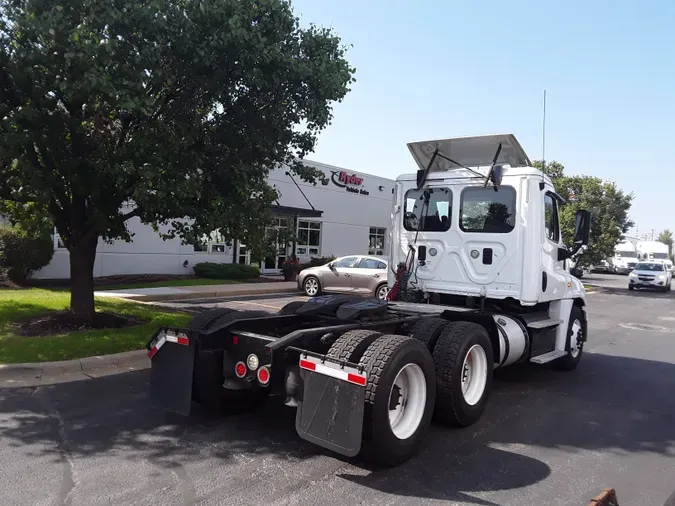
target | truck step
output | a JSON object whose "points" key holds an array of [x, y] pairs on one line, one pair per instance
{"points": [[544, 324], [548, 357]]}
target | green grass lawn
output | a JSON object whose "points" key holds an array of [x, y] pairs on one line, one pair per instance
{"points": [[19, 304]]}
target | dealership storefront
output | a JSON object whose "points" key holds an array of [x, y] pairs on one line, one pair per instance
{"points": [[347, 213]]}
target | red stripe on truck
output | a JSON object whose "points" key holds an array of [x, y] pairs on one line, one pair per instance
{"points": [[306, 364]]}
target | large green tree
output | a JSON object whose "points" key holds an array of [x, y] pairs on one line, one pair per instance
{"points": [[172, 111], [666, 237], [608, 204]]}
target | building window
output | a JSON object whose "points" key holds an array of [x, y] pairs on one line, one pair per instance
{"points": [[488, 211], [218, 242], [244, 255], [215, 242], [309, 238], [427, 210], [376, 241]]}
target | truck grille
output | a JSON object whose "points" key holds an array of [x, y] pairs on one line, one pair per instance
{"points": [[646, 278]]}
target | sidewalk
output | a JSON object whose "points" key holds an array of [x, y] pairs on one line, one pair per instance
{"points": [[81, 369], [200, 292]]}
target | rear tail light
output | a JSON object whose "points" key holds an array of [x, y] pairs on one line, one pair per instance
{"points": [[264, 375], [240, 369]]}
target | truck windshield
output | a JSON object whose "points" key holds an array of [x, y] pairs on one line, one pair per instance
{"points": [[625, 254], [431, 217], [489, 211], [662, 256]]}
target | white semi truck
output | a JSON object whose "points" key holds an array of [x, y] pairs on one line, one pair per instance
{"points": [[654, 250], [478, 282], [625, 258]]}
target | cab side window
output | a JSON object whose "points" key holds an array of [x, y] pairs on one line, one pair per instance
{"points": [[551, 218]]}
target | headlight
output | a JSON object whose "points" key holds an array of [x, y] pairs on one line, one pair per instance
{"points": [[662, 277], [633, 275]]}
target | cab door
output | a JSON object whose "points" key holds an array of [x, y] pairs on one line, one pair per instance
{"points": [[554, 277]]}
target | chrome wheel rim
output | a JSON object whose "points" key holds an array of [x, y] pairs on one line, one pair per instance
{"points": [[311, 287], [407, 401], [474, 375]]}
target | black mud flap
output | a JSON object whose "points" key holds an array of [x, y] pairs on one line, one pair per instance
{"points": [[171, 369], [330, 413]]}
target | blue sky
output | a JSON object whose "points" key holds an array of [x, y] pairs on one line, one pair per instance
{"points": [[433, 69]]}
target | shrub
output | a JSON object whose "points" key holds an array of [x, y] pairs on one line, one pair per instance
{"points": [[21, 256], [317, 261], [226, 271]]}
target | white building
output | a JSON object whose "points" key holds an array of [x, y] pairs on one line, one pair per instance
{"points": [[348, 215]]}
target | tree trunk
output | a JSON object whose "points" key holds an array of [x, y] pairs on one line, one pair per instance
{"points": [[82, 256]]}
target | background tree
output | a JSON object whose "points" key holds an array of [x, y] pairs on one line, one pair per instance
{"points": [[172, 111], [609, 208], [666, 237]]}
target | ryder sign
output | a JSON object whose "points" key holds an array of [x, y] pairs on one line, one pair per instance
{"points": [[349, 182]]}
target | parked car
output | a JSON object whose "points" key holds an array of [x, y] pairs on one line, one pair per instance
{"points": [[357, 274], [603, 266], [650, 275], [577, 272]]}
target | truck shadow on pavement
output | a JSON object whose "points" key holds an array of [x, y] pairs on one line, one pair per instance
{"points": [[533, 415]]}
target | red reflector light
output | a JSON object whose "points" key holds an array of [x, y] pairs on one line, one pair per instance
{"points": [[355, 378], [235, 339], [263, 375], [306, 364], [184, 341], [152, 352], [240, 369]]}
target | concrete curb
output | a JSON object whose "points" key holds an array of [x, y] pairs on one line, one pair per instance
{"points": [[49, 373], [204, 295]]}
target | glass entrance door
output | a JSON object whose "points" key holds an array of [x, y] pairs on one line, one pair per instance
{"points": [[272, 264]]}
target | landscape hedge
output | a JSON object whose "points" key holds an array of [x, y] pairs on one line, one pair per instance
{"points": [[226, 271], [20, 256]]}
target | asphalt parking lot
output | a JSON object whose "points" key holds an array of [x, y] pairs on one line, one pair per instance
{"points": [[547, 437]]}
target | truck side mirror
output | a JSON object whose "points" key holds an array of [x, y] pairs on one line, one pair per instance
{"points": [[582, 228], [582, 233]]}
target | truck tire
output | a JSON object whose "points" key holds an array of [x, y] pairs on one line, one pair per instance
{"points": [[207, 379], [351, 345], [575, 331], [400, 395], [427, 330], [291, 307], [464, 363]]}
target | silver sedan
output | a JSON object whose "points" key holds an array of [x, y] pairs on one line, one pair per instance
{"points": [[357, 274]]}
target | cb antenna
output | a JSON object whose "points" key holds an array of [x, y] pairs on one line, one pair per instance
{"points": [[543, 144]]}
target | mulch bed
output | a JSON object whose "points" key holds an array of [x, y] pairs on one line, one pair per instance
{"points": [[61, 322], [132, 279]]}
